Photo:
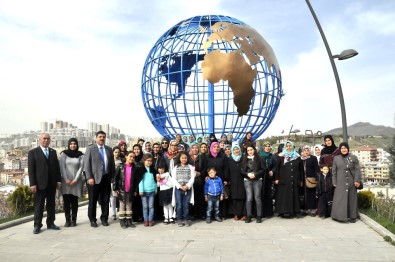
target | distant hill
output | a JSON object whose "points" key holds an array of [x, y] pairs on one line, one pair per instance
{"points": [[364, 129]]}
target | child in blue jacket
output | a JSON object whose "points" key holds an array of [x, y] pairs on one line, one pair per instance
{"points": [[213, 193]]}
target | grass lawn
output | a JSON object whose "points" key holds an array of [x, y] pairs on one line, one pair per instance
{"points": [[385, 222]]}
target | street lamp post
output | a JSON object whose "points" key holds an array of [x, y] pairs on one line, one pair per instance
{"points": [[342, 56]]}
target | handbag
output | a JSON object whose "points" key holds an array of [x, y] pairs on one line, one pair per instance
{"points": [[311, 182]]}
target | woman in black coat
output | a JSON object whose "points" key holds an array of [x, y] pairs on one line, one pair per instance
{"points": [[237, 190], [288, 176], [267, 187], [311, 171]]}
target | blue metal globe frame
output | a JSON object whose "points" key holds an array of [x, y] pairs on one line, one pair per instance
{"points": [[179, 101]]}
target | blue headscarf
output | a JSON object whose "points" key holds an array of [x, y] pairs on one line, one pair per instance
{"points": [[290, 155], [236, 158]]}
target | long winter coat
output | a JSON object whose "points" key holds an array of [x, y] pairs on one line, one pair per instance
{"points": [[237, 189], [345, 171], [311, 171], [290, 178]]}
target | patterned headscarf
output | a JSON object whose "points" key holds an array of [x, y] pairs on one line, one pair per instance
{"points": [[236, 158], [289, 155]]}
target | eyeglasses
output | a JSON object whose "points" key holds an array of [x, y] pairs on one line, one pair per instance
{"points": [[267, 146], [164, 143]]}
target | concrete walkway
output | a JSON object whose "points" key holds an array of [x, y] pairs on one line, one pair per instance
{"points": [[276, 239]]}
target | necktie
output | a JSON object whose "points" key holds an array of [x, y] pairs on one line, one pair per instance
{"points": [[46, 152], [102, 157]]}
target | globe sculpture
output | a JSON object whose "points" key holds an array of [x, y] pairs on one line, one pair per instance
{"points": [[211, 74]]}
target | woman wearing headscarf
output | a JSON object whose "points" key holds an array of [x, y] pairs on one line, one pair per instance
{"points": [[147, 148], [346, 178], [317, 152], [137, 150], [288, 176], [198, 161], [122, 150], [228, 150], [164, 145], [329, 151], [267, 187], [71, 166], [212, 138], [311, 172], [236, 180], [218, 160]]}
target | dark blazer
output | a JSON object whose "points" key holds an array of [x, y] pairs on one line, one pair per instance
{"points": [[43, 170], [93, 163]]}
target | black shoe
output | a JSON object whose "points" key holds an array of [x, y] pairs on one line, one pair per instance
{"points": [[67, 224], [36, 230], [248, 220], [73, 224], [130, 223], [353, 220], [122, 223], [93, 224], [298, 215], [218, 219], [258, 219], [53, 227], [104, 223]]}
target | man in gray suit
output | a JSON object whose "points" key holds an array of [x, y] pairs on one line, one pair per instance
{"points": [[99, 168]]}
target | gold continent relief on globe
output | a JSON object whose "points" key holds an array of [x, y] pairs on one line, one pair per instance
{"points": [[232, 66]]}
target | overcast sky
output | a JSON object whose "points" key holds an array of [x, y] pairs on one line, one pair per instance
{"points": [[60, 59]]}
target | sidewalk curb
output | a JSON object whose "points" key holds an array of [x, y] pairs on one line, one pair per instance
{"points": [[376, 226], [29, 218]]}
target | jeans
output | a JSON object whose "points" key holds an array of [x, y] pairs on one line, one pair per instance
{"points": [[147, 201], [253, 191], [212, 201], [182, 204]]}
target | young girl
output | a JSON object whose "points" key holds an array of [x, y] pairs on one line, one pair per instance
{"points": [[124, 188], [252, 169], [166, 191], [147, 189], [183, 176]]}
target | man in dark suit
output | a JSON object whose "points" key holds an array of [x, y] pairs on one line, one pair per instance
{"points": [[44, 176], [99, 168]]}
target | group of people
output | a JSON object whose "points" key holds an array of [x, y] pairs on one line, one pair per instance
{"points": [[180, 181]]}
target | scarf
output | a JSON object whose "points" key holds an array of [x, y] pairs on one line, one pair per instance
{"points": [[236, 158], [214, 154], [289, 156], [328, 149], [346, 146], [72, 153]]}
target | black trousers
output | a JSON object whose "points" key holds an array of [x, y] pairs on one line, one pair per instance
{"points": [[70, 203], [47, 194], [95, 192]]}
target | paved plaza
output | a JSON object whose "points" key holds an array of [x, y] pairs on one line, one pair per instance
{"points": [[276, 239]]}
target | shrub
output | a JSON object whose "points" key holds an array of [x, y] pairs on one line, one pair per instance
{"points": [[21, 200], [365, 199]]}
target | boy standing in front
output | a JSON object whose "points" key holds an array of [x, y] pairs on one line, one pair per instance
{"points": [[213, 193]]}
